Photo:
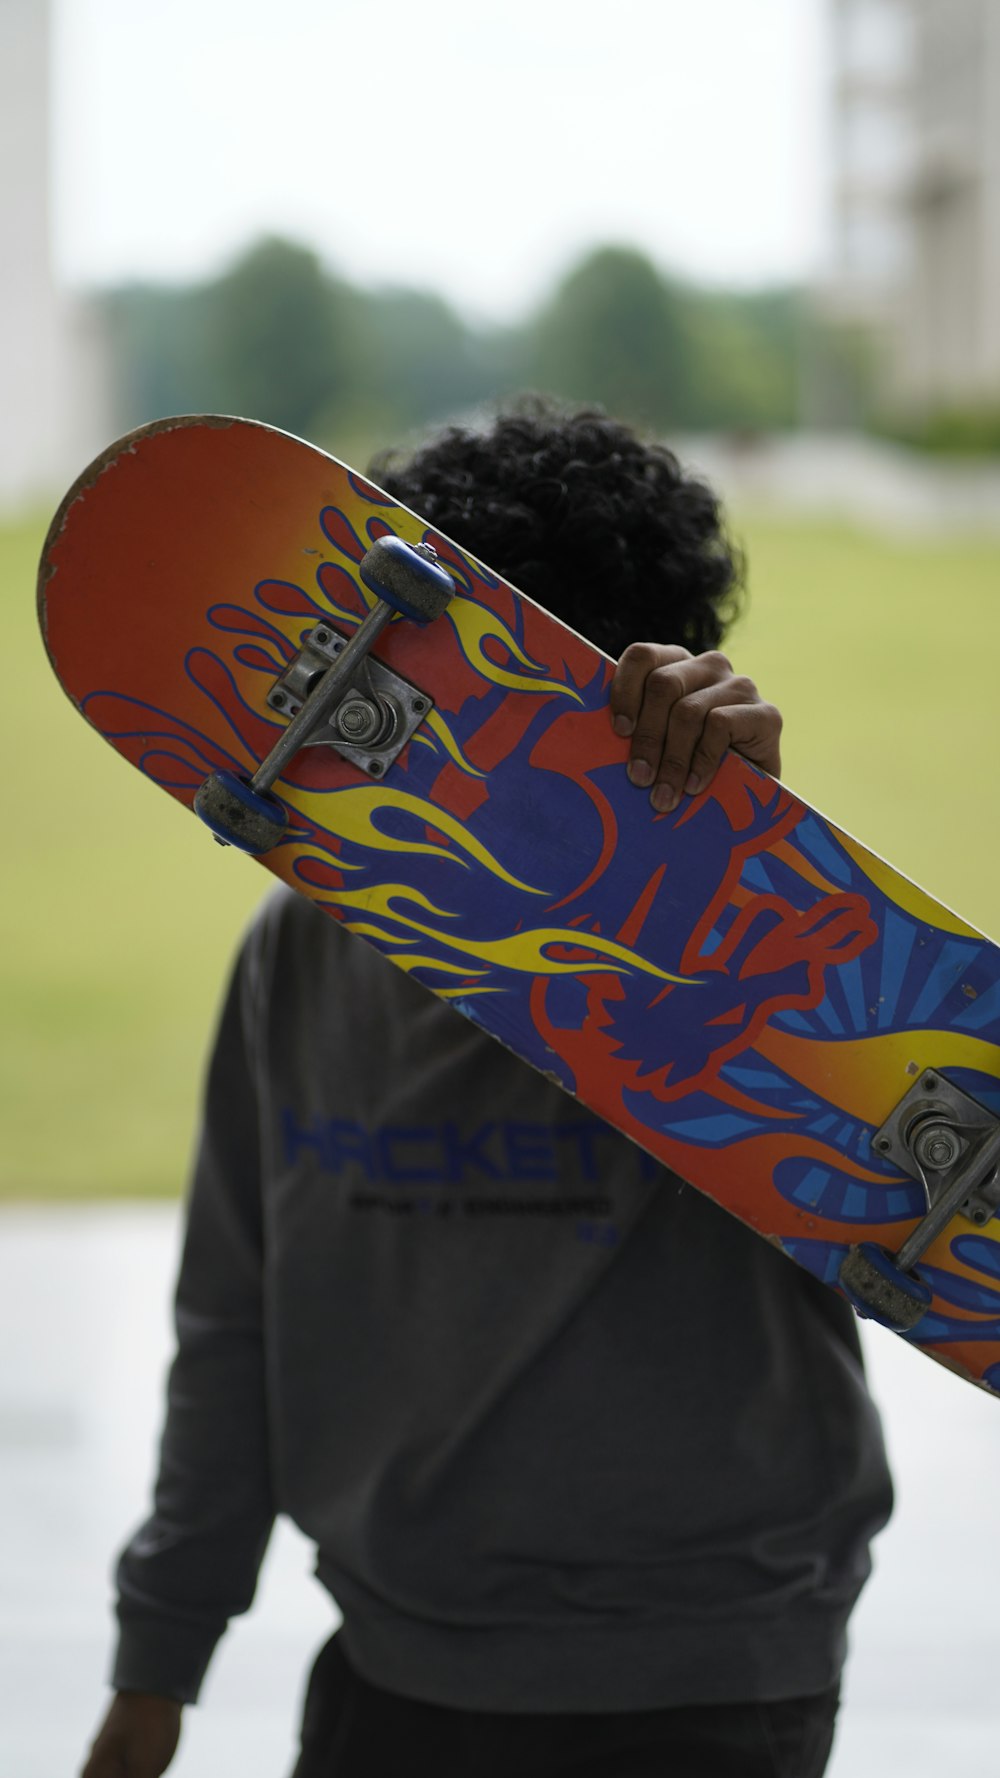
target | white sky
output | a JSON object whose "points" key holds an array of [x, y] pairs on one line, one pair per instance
{"points": [[472, 146]]}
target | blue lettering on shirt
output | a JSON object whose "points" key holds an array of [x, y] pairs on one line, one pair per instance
{"points": [[446, 1154]]}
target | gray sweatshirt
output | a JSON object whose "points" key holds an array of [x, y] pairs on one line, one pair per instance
{"points": [[567, 1437]]}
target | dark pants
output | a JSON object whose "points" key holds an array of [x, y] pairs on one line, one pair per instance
{"points": [[355, 1730]]}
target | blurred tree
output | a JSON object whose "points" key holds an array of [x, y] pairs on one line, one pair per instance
{"points": [[747, 349], [615, 332], [426, 361], [284, 339]]}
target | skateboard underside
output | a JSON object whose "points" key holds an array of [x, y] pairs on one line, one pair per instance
{"points": [[739, 986]]}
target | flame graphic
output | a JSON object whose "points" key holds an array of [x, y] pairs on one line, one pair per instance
{"points": [[526, 953], [353, 815], [476, 627]]}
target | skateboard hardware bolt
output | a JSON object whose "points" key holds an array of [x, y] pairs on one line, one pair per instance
{"points": [[937, 1146], [357, 720], [360, 720]]}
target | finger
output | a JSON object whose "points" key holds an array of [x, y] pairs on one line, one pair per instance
{"points": [[751, 727], [702, 732], [637, 663], [686, 739], [664, 695]]}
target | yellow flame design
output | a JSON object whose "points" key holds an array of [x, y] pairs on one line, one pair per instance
{"points": [[475, 625], [410, 960], [301, 849], [351, 814], [524, 952], [434, 720]]}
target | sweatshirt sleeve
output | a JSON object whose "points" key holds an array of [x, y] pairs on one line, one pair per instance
{"points": [[194, 1563]]}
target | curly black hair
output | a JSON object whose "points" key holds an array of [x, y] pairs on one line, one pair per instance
{"points": [[577, 510]]}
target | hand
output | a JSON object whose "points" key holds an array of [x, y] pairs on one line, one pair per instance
{"points": [[683, 711], [137, 1739]]}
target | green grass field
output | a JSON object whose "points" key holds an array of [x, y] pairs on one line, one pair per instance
{"points": [[121, 918]]}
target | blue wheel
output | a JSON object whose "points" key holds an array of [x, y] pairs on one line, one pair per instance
{"points": [[878, 1290], [239, 815], [412, 583]]}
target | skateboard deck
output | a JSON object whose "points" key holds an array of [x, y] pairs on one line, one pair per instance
{"points": [[739, 986]]}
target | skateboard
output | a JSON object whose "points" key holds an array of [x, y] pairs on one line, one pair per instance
{"points": [[763, 1004]]}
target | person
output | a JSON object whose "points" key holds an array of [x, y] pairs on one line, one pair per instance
{"points": [[589, 1503]]}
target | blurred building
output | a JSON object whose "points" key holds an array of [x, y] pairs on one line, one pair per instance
{"points": [[52, 406], [917, 193]]}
